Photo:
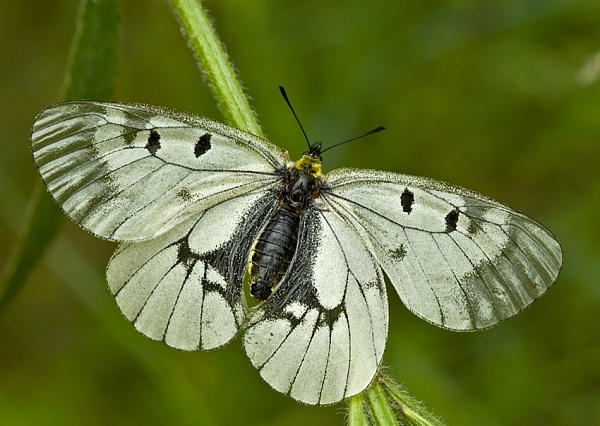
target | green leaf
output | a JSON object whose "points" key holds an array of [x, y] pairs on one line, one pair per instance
{"points": [[90, 74]]}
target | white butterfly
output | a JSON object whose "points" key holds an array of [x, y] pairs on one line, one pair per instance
{"points": [[193, 202]]}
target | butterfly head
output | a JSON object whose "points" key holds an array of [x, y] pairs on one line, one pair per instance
{"points": [[314, 151]]}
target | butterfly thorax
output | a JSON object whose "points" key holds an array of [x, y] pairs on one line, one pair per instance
{"points": [[276, 244], [303, 181]]}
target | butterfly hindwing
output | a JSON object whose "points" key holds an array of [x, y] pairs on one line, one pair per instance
{"points": [[130, 172], [456, 258], [320, 336], [185, 286]]}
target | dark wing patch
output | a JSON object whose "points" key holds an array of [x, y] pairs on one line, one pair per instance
{"points": [[203, 145], [398, 253], [452, 220], [407, 200], [153, 144]]}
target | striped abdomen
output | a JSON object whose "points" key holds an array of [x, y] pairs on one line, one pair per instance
{"points": [[274, 251]]}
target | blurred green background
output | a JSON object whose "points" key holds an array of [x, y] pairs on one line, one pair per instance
{"points": [[501, 96]]}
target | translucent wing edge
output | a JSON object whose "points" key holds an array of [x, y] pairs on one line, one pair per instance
{"points": [[273, 153]]}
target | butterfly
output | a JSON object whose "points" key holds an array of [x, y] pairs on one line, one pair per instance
{"points": [[195, 204]]}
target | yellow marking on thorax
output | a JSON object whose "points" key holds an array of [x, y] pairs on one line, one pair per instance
{"points": [[309, 164]]}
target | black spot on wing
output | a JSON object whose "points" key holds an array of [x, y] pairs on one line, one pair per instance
{"points": [[330, 316], [398, 253], [185, 255], [407, 199], [452, 220], [185, 195], [203, 145], [153, 144]]}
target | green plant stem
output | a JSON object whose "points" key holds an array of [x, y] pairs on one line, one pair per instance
{"points": [[385, 403], [356, 411], [212, 59], [410, 410], [379, 404]]}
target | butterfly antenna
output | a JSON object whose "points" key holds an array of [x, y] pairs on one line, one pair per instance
{"points": [[282, 90], [370, 132]]}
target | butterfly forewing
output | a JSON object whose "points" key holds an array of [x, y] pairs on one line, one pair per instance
{"points": [[456, 258], [129, 172]]}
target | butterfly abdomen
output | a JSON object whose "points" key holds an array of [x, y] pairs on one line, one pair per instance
{"points": [[274, 251]]}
